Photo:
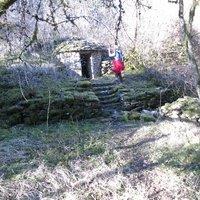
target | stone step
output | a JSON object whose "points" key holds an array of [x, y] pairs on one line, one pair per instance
{"points": [[100, 93], [108, 101], [111, 106], [107, 96], [103, 83], [104, 88]]}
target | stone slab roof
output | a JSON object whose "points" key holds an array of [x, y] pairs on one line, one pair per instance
{"points": [[78, 45]]}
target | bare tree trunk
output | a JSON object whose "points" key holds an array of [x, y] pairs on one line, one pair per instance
{"points": [[188, 39], [118, 24], [5, 4]]}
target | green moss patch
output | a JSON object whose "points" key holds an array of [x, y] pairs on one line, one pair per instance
{"points": [[137, 116], [73, 99], [4, 133]]}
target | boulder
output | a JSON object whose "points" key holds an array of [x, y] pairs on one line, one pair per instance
{"points": [[187, 108]]}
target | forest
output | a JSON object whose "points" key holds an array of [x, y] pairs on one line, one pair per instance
{"points": [[99, 99]]}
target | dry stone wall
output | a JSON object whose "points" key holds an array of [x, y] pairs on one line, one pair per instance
{"points": [[96, 59], [137, 99], [72, 61], [75, 101]]}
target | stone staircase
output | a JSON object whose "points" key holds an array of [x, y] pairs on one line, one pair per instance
{"points": [[107, 93]]}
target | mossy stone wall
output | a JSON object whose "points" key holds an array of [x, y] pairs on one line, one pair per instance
{"points": [[147, 98], [76, 101]]}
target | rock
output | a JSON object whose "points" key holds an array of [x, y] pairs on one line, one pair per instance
{"points": [[137, 116], [184, 108]]}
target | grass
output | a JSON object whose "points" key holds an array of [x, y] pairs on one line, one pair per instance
{"points": [[99, 159], [63, 142], [184, 159]]}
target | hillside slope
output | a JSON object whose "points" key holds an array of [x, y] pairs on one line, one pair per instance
{"points": [[105, 158]]}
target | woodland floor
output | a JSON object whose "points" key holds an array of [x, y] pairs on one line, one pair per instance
{"points": [[101, 159]]}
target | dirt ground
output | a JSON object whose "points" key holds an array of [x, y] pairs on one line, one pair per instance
{"points": [[120, 161]]}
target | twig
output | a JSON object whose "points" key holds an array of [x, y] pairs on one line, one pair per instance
{"points": [[48, 109], [20, 86]]}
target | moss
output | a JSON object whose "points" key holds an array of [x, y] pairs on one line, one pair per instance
{"points": [[86, 96], [190, 114], [84, 84], [10, 96], [123, 90], [14, 119], [67, 88], [147, 118], [55, 112], [14, 109], [68, 46], [92, 97], [134, 116], [3, 71], [167, 106], [75, 103], [32, 119], [34, 105], [187, 107], [68, 96], [4, 133]]}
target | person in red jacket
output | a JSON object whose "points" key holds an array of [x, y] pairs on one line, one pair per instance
{"points": [[118, 62]]}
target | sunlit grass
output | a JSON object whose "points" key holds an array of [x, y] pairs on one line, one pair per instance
{"points": [[183, 159], [98, 159], [58, 145]]}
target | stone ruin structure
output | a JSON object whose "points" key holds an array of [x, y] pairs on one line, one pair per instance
{"points": [[81, 58]]}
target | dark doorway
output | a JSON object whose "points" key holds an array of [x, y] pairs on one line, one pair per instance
{"points": [[85, 65]]}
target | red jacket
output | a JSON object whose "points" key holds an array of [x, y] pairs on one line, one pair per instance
{"points": [[118, 66]]}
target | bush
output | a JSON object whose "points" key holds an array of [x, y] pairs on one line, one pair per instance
{"points": [[133, 61]]}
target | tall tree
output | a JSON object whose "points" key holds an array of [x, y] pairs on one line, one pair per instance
{"points": [[188, 29]]}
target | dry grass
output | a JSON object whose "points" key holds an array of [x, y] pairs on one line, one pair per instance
{"points": [[98, 160]]}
